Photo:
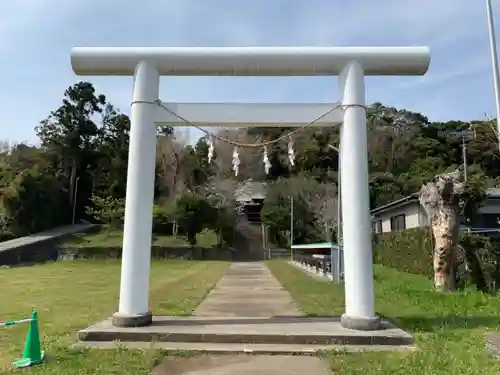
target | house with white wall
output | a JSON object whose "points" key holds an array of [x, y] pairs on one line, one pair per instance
{"points": [[407, 213]]}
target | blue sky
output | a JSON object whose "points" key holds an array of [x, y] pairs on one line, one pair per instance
{"points": [[36, 37]]}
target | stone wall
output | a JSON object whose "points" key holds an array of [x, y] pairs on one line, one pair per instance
{"points": [[157, 252]]}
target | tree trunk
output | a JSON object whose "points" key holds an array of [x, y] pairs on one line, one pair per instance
{"points": [[440, 199], [443, 229]]}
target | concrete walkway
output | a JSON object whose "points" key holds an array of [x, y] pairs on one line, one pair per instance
{"points": [[246, 290], [44, 236], [242, 365]]}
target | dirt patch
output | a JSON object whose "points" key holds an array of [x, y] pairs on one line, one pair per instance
{"points": [[492, 341]]}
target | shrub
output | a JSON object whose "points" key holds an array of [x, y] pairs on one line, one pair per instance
{"points": [[487, 257], [224, 223], [193, 213], [31, 201], [162, 224]]}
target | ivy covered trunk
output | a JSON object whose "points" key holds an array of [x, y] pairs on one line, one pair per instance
{"points": [[440, 199]]}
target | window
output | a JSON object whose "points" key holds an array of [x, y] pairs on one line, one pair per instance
{"points": [[377, 226], [398, 222]]}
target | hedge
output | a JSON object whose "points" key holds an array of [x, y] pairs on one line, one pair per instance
{"points": [[411, 251], [407, 250]]}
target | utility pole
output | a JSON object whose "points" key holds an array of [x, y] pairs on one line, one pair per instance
{"points": [[465, 135], [494, 64], [74, 200], [464, 157]]}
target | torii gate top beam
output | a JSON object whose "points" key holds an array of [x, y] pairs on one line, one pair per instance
{"points": [[250, 61]]}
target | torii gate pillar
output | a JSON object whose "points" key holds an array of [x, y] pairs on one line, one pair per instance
{"points": [[148, 64]]}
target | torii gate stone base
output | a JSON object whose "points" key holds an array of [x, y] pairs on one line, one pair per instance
{"points": [[352, 64]]}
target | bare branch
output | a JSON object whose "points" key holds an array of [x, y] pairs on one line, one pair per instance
{"points": [[171, 155]]}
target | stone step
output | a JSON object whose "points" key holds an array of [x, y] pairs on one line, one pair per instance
{"points": [[240, 330], [262, 349]]}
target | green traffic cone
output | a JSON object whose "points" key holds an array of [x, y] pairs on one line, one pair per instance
{"points": [[33, 353]]}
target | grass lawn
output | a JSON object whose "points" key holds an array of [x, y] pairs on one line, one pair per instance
{"points": [[72, 295], [114, 238], [448, 328]]}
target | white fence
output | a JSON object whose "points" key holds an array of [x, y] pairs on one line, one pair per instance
{"points": [[329, 266]]}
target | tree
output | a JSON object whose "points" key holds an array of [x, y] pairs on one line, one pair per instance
{"points": [[107, 210], [398, 128], [193, 213], [221, 195], [29, 191], [69, 133], [314, 205], [169, 159], [109, 167], [325, 208], [384, 188]]}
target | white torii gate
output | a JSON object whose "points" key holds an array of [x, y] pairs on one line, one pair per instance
{"points": [[148, 64]]}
